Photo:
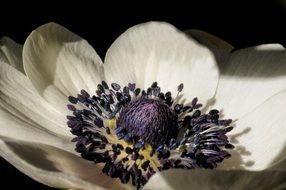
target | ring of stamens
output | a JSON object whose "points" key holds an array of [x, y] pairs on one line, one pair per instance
{"points": [[137, 133]]}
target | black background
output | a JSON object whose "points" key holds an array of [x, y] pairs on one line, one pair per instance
{"points": [[240, 23]]}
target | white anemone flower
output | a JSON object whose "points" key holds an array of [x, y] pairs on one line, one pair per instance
{"points": [[161, 137]]}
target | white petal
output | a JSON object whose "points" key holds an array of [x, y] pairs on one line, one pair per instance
{"points": [[250, 77], [157, 51], [17, 128], [220, 48], [11, 53], [260, 136], [60, 63], [55, 167], [216, 180], [18, 96]]}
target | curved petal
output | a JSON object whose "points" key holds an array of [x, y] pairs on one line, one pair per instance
{"points": [[217, 180], [55, 167], [220, 48], [11, 53], [157, 51], [260, 136], [250, 77], [60, 63], [17, 128], [18, 96]]}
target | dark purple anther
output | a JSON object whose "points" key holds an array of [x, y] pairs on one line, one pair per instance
{"points": [[180, 87], [229, 146], [131, 86], [72, 99], [84, 93], [154, 85], [194, 101], [115, 86], [137, 91], [100, 88], [105, 85], [71, 107], [156, 91]]}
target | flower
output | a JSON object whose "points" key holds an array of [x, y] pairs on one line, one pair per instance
{"points": [[54, 65]]}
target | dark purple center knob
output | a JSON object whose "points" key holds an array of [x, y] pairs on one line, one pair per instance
{"points": [[147, 121]]}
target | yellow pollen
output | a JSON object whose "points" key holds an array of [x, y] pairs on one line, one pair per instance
{"points": [[148, 147], [145, 151], [112, 123]]}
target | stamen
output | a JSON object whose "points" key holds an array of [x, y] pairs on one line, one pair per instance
{"points": [[136, 135]]}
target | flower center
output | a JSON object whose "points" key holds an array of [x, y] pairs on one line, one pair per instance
{"points": [[138, 133], [147, 121]]}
